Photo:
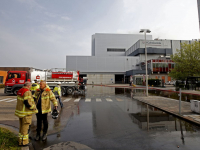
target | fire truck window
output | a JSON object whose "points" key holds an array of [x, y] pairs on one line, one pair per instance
{"points": [[14, 75]]}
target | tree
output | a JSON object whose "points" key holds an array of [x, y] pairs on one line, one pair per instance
{"points": [[187, 61]]}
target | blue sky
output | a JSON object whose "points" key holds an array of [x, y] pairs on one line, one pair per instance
{"points": [[40, 33]]}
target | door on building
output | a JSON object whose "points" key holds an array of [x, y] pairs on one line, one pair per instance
{"points": [[127, 79], [169, 78], [119, 79]]}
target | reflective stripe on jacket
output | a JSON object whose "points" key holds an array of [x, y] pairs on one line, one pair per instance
{"points": [[57, 91], [46, 96], [21, 109]]}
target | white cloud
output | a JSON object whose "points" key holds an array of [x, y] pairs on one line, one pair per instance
{"points": [[31, 3], [47, 36], [53, 15], [55, 28], [166, 19], [65, 18], [50, 14]]}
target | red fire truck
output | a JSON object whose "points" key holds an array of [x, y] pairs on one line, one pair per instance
{"points": [[16, 79]]}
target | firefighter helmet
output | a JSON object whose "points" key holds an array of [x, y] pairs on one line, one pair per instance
{"points": [[55, 114]]}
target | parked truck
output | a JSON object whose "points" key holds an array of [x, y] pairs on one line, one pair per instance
{"points": [[16, 79]]}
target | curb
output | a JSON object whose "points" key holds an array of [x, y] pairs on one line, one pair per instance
{"points": [[10, 128]]}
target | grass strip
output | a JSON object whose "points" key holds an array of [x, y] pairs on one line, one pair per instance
{"points": [[8, 140]]}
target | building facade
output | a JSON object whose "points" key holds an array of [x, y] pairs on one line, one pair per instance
{"points": [[198, 6], [113, 44], [117, 57], [105, 70], [108, 62], [159, 63]]}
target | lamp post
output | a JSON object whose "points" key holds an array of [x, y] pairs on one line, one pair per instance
{"points": [[145, 31]]}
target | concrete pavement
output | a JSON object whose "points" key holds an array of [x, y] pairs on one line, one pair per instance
{"points": [[68, 146], [108, 118], [171, 106]]}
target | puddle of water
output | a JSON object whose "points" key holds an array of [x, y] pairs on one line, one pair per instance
{"points": [[158, 120], [167, 94], [104, 124]]}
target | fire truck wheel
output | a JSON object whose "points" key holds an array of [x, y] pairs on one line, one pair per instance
{"points": [[63, 92], [15, 91], [69, 91]]}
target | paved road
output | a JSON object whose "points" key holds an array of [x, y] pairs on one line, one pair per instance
{"points": [[107, 118]]}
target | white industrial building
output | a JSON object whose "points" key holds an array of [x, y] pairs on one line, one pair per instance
{"points": [[114, 44], [102, 69], [116, 57]]}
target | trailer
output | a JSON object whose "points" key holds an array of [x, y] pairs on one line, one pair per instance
{"points": [[69, 80]]}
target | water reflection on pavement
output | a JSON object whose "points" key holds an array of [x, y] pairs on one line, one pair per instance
{"points": [[111, 119]]}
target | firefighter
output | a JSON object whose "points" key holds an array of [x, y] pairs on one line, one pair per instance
{"points": [[37, 82], [24, 109], [34, 87], [43, 96], [46, 84], [57, 93]]}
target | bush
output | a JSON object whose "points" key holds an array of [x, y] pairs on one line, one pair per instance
{"points": [[8, 140]]}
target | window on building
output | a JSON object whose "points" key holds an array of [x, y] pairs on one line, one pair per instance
{"points": [[115, 50], [1, 79]]}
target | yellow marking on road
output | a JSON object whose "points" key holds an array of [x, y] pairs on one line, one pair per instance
{"points": [[98, 100], [119, 100], [67, 100], [109, 100], [88, 100]]}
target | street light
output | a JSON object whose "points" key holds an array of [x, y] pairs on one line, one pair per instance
{"points": [[145, 31]]}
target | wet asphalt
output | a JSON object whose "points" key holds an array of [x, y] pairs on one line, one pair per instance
{"points": [[121, 123]]}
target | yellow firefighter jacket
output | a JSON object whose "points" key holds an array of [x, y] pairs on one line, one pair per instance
{"points": [[34, 87], [25, 103], [57, 91], [46, 96]]}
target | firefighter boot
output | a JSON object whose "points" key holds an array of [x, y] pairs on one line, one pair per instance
{"points": [[37, 138], [44, 137]]}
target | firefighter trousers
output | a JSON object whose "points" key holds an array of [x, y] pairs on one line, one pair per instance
{"points": [[60, 101], [42, 118], [24, 128]]}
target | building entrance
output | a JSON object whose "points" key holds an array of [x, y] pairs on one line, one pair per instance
{"points": [[119, 79]]}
